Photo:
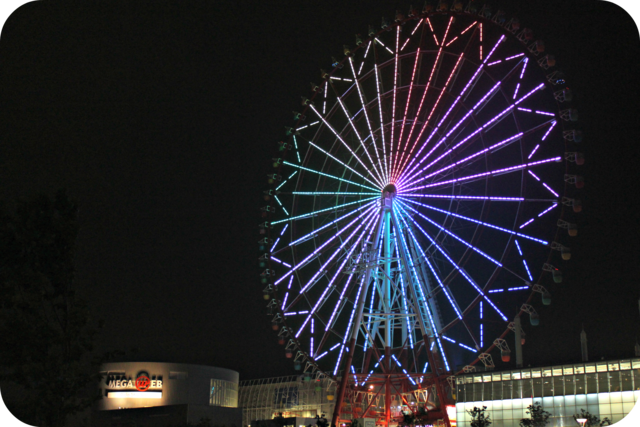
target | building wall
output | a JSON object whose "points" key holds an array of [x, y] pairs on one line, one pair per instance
{"points": [[605, 389], [172, 384], [293, 396]]}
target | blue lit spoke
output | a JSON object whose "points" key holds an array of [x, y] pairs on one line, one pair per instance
{"points": [[314, 213], [312, 255], [454, 305], [346, 334], [338, 272], [328, 176], [315, 232], [458, 268], [285, 181], [404, 302], [436, 332], [335, 310], [475, 221]]}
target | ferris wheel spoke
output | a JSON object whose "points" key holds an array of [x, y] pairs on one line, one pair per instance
{"points": [[476, 108], [315, 253], [324, 268], [424, 94], [465, 160], [406, 108], [486, 224], [326, 123], [433, 109], [317, 147], [459, 269], [322, 299], [327, 175], [348, 329], [365, 110], [346, 286], [464, 242], [455, 102], [483, 175], [461, 163], [379, 98], [317, 231], [434, 328], [323, 211]]}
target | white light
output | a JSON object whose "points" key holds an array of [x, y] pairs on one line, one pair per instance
{"points": [[134, 395]]}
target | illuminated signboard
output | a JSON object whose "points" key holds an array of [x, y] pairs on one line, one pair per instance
{"points": [[139, 387]]}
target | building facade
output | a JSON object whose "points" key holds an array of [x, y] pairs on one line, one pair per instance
{"points": [[157, 394], [605, 389], [294, 396]]}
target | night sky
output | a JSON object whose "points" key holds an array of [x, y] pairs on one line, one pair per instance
{"points": [[160, 119]]}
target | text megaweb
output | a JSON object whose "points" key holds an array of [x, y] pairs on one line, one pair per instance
{"points": [[142, 382]]}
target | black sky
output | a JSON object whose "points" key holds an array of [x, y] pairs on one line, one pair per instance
{"points": [[160, 119]]}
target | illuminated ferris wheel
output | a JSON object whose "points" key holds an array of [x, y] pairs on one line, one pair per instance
{"points": [[416, 207]]}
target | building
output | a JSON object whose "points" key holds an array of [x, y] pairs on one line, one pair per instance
{"points": [[605, 389], [302, 396], [166, 394]]}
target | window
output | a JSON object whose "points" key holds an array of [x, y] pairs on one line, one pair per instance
{"points": [[224, 393]]}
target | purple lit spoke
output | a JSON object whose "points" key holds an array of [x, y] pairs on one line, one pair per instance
{"points": [[486, 224], [460, 270]]}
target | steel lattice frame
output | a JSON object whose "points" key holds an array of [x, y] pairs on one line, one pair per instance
{"points": [[416, 203]]}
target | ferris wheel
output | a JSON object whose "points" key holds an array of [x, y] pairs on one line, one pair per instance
{"points": [[419, 205]]}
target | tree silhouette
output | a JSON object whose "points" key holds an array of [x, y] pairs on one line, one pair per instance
{"points": [[46, 331], [479, 418], [539, 417]]}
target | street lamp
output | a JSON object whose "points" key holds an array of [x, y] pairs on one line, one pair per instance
{"points": [[582, 421]]}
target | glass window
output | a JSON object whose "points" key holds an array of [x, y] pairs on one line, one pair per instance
{"points": [[507, 389], [592, 382], [225, 393], [486, 378], [477, 392], [487, 391], [496, 377], [527, 389], [590, 368], [477, 378], [603, 382], [601, 367], [506, 376], [567, 370], [496, 390], [537, 385], [636, 379], [614, 366], [580, 384], [516, 375], [578, 369], [625, 364], [536, 373], [558, 386], [547, 387], [546, 372], [614, 381], [635, 364], [568, 385], [516, 392], [557, 371], [626, 380]]}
